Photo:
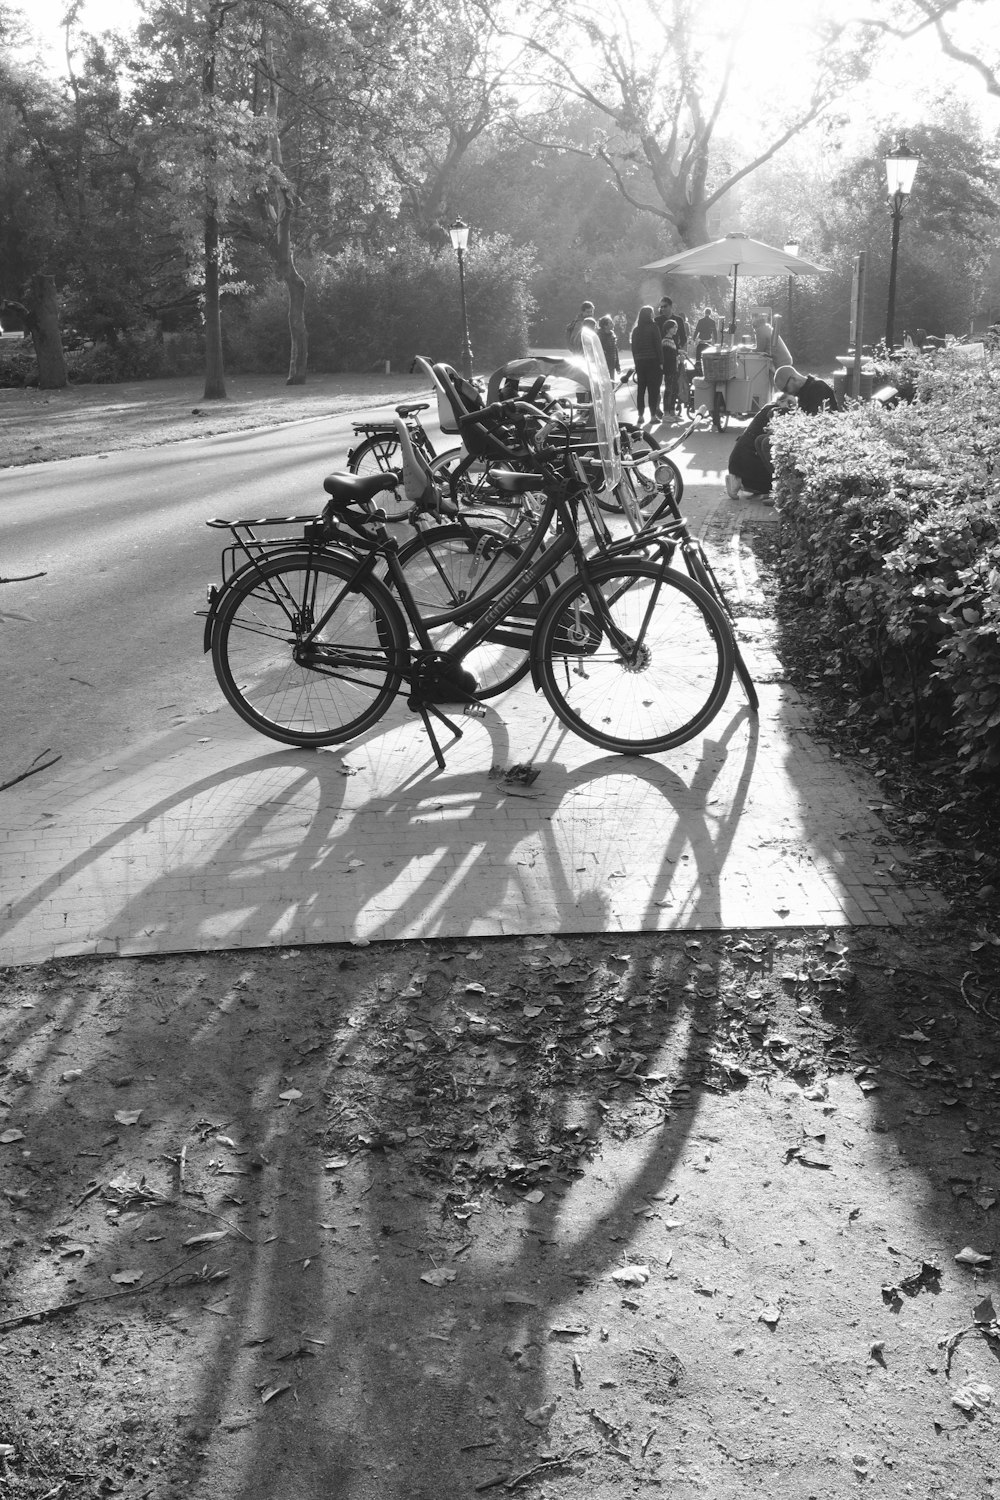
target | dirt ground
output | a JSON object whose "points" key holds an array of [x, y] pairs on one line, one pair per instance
{"points": [[572, 1218]]}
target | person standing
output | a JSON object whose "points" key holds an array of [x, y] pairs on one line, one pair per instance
{"points": [[705, 332], [670, 355], [606, 334], [647, 357], [666, 312], [573, 339]]}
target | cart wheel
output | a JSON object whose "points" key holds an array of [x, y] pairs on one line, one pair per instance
{"points": [[720, 412]]}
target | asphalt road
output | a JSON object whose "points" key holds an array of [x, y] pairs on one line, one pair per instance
{"points": [[105, 649]]}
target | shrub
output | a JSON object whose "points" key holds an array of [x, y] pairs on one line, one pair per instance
{"points": [[144, 355], [18, 366], [363, 309], [891, 526]]}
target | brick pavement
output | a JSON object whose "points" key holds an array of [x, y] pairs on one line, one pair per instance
{"points": [[210, 836]]}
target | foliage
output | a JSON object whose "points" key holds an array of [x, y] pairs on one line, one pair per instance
{"points": [[660, 73], [891, 521], [366, 309]]}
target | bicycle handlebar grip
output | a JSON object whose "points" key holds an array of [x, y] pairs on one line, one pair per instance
{"points": [[493, 413]]}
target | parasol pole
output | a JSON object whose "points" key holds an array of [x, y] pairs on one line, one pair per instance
{"points": [[732, 321]]}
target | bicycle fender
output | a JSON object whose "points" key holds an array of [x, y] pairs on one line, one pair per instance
{"points": [[214, 595]]}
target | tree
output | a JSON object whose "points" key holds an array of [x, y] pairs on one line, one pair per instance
{"points": [[946, 247], [965, 30], [654, 72], [40, 314], [331, 94]]}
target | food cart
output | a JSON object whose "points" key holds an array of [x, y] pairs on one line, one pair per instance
{"points": [[737, 378], [734, 382]]}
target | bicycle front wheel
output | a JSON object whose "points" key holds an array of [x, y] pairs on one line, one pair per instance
{"points": [[635, 657], [300, 685], [447, 567], [702, 572]]}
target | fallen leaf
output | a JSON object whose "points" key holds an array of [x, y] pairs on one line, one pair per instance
{"points": [[631, 1275], [336, 1163], [128, 1116], [440, 1276], [206, 1239], [10, 1136], [541, 1416], [519, 1299], [272, 1391], [985, 1312], [970, 1257], [535, 1196], [972, 1397], [289, 1095], [126, 1278]]}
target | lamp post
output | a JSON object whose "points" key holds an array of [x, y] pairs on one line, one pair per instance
{"points": [[900, 170], [791, 248], [460, 238]]}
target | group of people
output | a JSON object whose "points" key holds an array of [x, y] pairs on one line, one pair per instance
{"points": [[659, 341]]}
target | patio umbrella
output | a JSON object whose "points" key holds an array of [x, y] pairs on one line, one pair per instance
{"points": [[732, 255]]}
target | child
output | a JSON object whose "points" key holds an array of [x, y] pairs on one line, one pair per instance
{"points": [[669, 359], [606, 334]]}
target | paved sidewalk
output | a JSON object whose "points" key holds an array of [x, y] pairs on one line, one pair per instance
{"points": [[212, 837]]}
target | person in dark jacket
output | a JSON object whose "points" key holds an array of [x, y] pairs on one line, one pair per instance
{"points": [[812, 394], [606, 334], [750, 461], [671, 356], [664, 315], [573, 340], [648, 360]]}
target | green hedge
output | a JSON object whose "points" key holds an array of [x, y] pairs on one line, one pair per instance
{"points": [[891, 548]]}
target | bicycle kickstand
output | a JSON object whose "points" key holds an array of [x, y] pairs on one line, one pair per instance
{"points": [[425, 710]]}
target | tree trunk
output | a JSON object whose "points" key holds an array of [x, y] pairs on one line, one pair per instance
{"points": [[42, 319], [296, 285], [215, 384], [282, 215]]}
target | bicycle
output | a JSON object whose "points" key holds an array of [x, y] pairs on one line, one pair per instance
{"points": [[311, 647], [666, 522]]}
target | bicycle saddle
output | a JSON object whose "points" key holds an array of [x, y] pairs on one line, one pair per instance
{"points": [[355, 489]]}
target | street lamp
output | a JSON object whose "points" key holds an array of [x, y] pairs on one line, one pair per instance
{"points": [[460, 238], [791, 248], [900, 170]]}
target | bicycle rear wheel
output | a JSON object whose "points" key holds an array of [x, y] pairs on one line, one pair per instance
{"points": [[636, 658], [376, 455], [305, 691], [450, 566]]}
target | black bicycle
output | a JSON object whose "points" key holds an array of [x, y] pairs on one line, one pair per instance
{"points": [[311, 646]]}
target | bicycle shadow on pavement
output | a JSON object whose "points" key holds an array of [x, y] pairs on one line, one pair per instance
{"points": [[271, 850]]}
